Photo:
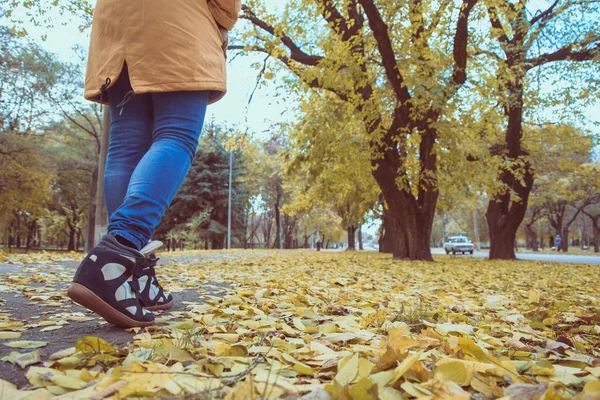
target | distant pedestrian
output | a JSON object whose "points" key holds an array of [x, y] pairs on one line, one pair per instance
{"points": [[318, 245], [558, 242]]}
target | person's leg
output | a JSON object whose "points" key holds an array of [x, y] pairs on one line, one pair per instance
{"points": [[178, 120], [130, 138]]}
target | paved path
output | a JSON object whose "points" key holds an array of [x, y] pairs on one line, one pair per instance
{"points": [[566, 258], [51, 279]]}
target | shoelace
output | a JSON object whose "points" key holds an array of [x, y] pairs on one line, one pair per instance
{"points": [[141, 266]]}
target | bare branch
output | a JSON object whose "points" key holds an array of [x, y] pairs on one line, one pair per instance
{"points": [[544, 15]]}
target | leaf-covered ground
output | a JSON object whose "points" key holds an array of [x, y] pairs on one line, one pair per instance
{"points": [[322, 325]]}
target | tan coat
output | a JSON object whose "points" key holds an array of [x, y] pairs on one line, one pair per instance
{"points": [[168, 45]]}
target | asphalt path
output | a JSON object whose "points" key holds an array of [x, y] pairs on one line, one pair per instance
{"points": [[562, 258]]}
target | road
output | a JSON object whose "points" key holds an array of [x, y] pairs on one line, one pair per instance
{"points": [[536, 257]]}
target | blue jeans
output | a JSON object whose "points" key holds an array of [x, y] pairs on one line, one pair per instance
{"points": [[153, 141]]}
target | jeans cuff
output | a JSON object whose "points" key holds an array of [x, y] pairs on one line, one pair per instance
{"points": [[126, 235]]}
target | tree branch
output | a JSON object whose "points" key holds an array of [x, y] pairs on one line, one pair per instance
{"points": [[296, 53], [314, 83], [569, 53], [340, 24], [545, 15], [461, 36], [380, 31], [499, 32]]}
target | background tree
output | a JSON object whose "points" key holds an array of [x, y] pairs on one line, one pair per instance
{"points": [[529, 37], [73, 156], [201, 205], [328, 165], [593, 213], [346, 49]]}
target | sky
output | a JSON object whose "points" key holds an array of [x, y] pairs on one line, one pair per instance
{"points": [[268, 106]]}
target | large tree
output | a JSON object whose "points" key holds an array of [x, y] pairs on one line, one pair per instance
{"points": [[532, 46], [399, 65]]}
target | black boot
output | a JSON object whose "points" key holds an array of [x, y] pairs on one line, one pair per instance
{"points": [[151, 293], [103, 280]]}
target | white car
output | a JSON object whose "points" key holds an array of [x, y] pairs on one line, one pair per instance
{"points": [[458, 244]]}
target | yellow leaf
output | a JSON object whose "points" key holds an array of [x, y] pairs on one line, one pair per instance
{"points": [[534, 296], [51, 328], [26, 344], [68, 382], [454, 371], [9, 391], [63, 353], [39, 376], [405, 366], [359, 390], [10, 335], [303, 369], [94, 345], [388, 393], [592, 387], [543, 368], [298, 324], [172, 353], [227, 337], [28, 359], [329, 328], [348, 371], [383, 378], [594, 371], [365, 367]]}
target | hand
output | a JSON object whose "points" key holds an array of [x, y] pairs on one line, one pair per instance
{"points": [[225, 37]]}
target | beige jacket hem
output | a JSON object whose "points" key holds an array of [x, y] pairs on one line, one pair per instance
{"points": [[217, 89]]}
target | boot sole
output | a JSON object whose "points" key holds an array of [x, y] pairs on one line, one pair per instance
{"points": [[88, 299], [159, 307]]}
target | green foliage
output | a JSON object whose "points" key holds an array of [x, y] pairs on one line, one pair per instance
{"points": [[328, 165], [199, 211]]}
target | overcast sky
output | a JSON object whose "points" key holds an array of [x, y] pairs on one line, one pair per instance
{"points": [[265, 109]]}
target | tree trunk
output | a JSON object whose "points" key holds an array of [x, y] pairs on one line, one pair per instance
{"points": [[18, 231], [409, 221], [410, 218], [386, 242], [595, 231], [531, 237], [564, 246], [527, 239], [40, 242], [71, 245], [360, 241], [30, 234], [91, 222], [351, 230], [503, 215], [277, 242]]}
